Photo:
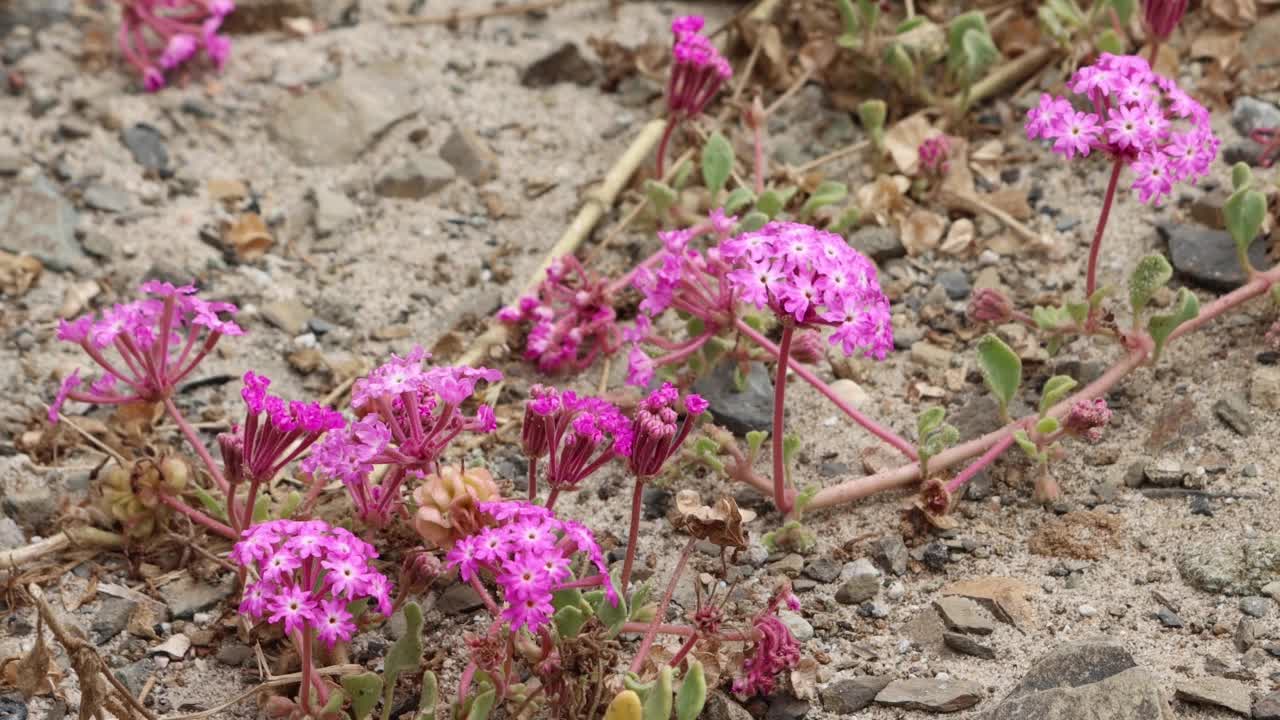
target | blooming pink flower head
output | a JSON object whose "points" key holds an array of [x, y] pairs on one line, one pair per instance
{"points": [[275, 431], [571, 320], [1138, 117], [308, 572], [811, 277], [698, 70], [1160, 17], [182, 27], [148, 345], [1087, 418], [657, 431], [528, 552]]}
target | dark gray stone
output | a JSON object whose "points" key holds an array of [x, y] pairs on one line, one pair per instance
{"points": [[1233, 411], [459, 599], [1245, 151], [785, 707], [955, 283], [1132, 694], [936, 556], [738, 411], [134, 675], [1249, 114], [110, 619], [1168, 618], [1207, 258], [656, 501], [891, 552], [977, 417], [37, 220], [564, 65], [1266, 708], [1075, 664], [964, 615], [878, 243], [147, 146], [931, 694], [33, 14], [822, 569], [13, 707], [966, 645], [849, 695], [234, 654], [187, 596]]}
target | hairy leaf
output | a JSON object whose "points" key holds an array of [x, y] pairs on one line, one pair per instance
{"points": [[1001, 369], [717, 164], [363, 689], [1151, 274], [1186, 307], [693, 693], [1055, 388]]}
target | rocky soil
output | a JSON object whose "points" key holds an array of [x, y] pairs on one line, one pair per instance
{"points": [[410, 178]]}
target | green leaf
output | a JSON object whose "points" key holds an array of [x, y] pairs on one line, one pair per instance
{"points": [[612, 617], [1244, 212], [1124, 10], [909, 24], [962, 25], [1047, 425], [871, 113], [717, 164], [772, 201], [1151, 274], [1068, 11], [639, 599], [1024, 442], [1109, 41], [848, 18], [752, 221], [755, 440], [568, 598], [738, 199], [692, 695], [1077, 311], [979, 53], [1241, 176], [1187, 307], [661, 196], [681, 177], [657, 705], [939, 440], [869, 12], [828, 193], [405, 654], [364, 690], [930, 420], [569, 620], [1055, 388], [1052, 25], [429, 697], [262, 508], [481, 705], [1001, 369], [790, 446], [1051, 318], [211, 505]]}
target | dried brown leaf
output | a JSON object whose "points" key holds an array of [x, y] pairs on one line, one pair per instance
{"points": [[1221, 46], [720, 524], [959, 237], [922, 231], [1236, 13], [248, 237], [903, 142], [32, 671], [804, 679], [18, 273], [883, 198]]}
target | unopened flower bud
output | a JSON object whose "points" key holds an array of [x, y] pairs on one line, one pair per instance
{"points": [[989, 305], [232, 446], [419, 570], [1161, 16], [806, 346], [1087, 418]]}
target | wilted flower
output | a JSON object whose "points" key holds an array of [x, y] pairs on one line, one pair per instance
{"points": [[774, 650], [1087, 418], [989, 305], [571, 319], [134, 494], [806, 346], [447, 503]]}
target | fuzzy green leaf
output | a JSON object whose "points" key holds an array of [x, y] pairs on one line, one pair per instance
{"points": [[481, 705], [1244, 212], [211, 505], [364, 690], [262, 508], [962, 25], [661, 196], [717, 163], [939, 440], [692, 695], [909, 24], [930, 420], [681, 177], [612, 616], [1024, 442], [1241, 176], [871, 113], [979, 53], [772, 201], [333, 706], [828, 193], [571, 597], [657, 704], [1001, 369], [429, 697], [738, 199], [1047, 425], [900, 64], [404, 655], [1152, 273], [569, 620], [1051, 23], [1055, 388], [1109, 41], [1186, 307], [848, 17], [1124, 10], [752, 221]]}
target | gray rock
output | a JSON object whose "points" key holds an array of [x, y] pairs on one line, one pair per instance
{"points": [[785, 707], [146, 144], [1266, 708], [288, 315], [1132, 694], [874, 609], [720, 707], [849, 695], [978, 416], [1233, 411], [1075, 664], [564, 64], [110, 619], [1207, 258], [1245, 636], [1164, 472], [11, 536], [861, 583], [13, 707], [27, 493], [878, 243], [964, 615], [738, 411], [33, 14], [234, 654], [1215, 692], [655, 500], [931, 695], [790, 565], [470, 157], [935, 556], [333, 211], [1245, 151], [968, 646], [134, 675], [1232, 568], [980, 486], [1254, 606], [1249, 114], [800, 628], [956, 283], [37, 220], [414, 178], [106, 198], [97, 245], [822, 569], [1168, 618], [187, 596], [459, 599], [891, 552], [335, 123]]}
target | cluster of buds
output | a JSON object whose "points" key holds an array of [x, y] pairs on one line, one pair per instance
{"points": [[1087, 418], [156, 343], [657, 430], [988, 305], [698, 70], [571, 319], [157, 36], [134, 494], [1160, 17], [410, 415], [578, 434], [935, 155], [448, 503]]}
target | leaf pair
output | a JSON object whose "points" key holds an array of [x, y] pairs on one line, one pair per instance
{"points": [[653, 700], [1152, 273]]}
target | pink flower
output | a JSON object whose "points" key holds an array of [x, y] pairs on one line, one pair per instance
{"points": [[1160, 17], [181, 27], [571, 321], [1075, 134], [180, 48], [580, 434], [294, 607], [657, 432], [773, 651], [334, 623], [697, 69], [69, 383]]}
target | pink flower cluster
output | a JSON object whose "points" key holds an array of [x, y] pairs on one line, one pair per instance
{"points": [[697, 69], [580, 433], [935, 155], [658, 434], [529, 553], [275, 431], [1133, 121], [812, 277], [409, 416], [308, 573], [1087, 418], [572, 318], [145, 347], [774, 650], [159, 35]]}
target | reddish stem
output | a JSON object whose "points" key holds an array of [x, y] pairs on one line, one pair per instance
{"points": [[781, 497], [214, 471], [632, 536], [662, 144], [987, 458], [685, 649], [484, 595], [1091, 275], [305, 652], [647, 643], [533, 481], [199, 517]]}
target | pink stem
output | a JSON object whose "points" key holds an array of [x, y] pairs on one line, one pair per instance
{"points": [[484, 595], [807, 375], [781, 497], [1091, 275], [305, 652], [759, 157], [533, 481], [214, 471], [633, 536], [987, 458], [685, 649], [199, 517], [662, 144], [658, 617]]}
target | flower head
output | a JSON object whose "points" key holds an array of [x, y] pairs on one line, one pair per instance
{"points": [[182, 27], [275, 431], [1160, 17], [698, 70], [571, 320], [1087, 419], [774, 650], [935, 155], [989, 305], [657, 432], [580, 434]]}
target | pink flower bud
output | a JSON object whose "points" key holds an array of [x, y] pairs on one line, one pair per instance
{"points": [[1087, 418], [806, 346], [989, 305], [1161, 16]]}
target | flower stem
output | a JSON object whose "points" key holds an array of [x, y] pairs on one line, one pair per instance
{"points": [[305, 652], [552, 497], [662, 144], [684, 650], [781, 498], [187, 431], [484, 595], [647, 643], [987, 458], [533, 481], [199, 517], [632, 536], [1091, 275]]}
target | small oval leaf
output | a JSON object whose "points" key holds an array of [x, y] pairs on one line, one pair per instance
{"points": [[1001, 369]]}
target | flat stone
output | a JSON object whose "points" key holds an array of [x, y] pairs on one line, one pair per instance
{"points": [[1164, 472], [861, 583], [926, 631], [146, 144], [1245, 636], [1132, 694], [1231, 569], [790, 565], [288, 315], [1255, 606], [1266, 708], [1233, 411], [955, 283], [929, 355], [1250, 113], [800, 628], [234, 654], [1215, 692], [469, 156], [110, 619], [1075, 664], [107, 198], [1004, 597], [414, 178], [851, 393], [822, 569], [739, 411], [849, 695], [878, 243], [891, 552], [27, 493], [964, 615], [966, 645], [786, 707], [13, 707], [187, 596], [1264, 388], [563, 65], [459, 599], [37, 220], [1168, 618], [931, 695], [333, 211], [335, 123], [1206, 258], [175, 647]]}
